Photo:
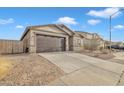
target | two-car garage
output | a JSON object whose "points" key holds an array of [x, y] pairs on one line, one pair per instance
{"points": [[46, 43], [47, 38]]}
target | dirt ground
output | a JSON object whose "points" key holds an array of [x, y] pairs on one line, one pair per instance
{"points": [[27, 70], [117, 57], [98, 54]]}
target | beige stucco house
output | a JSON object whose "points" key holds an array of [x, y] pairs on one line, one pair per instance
{"points": [[57, 37]]}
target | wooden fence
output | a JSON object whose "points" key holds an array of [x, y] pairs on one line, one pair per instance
{"points": [[11, 47]]}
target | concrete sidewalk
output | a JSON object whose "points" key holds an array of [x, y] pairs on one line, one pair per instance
{"points": [[84, 70]]}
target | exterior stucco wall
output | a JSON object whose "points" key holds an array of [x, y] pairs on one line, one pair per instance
{"points": [[32, 42], [101, 44], [78, 44], [26, 42], [71, 43]]}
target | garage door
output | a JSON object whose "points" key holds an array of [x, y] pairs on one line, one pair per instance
{"points": [[49, 43]]}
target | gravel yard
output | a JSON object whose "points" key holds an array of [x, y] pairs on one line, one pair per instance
{"points": [[98, 54], [117, 57], [29, 70], [120, 61]]}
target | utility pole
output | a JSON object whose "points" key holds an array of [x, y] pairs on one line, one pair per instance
{"points": [[110, 28], [110, 45]]}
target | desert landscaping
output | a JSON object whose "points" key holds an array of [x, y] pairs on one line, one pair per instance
{"points": [[26, 69], [34, 70]]}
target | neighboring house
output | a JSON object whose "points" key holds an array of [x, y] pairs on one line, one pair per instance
{"points": [[58, 37]]}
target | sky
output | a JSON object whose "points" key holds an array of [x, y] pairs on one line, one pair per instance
{"points": [[13, 21]]}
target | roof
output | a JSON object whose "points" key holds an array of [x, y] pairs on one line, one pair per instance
{"points": [[82, 33], [59, 26]]}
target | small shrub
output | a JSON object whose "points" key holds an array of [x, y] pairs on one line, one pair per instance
{"points": [[105, 51]]}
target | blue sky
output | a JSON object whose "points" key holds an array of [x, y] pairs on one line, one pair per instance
{"points": [[95, 20]]}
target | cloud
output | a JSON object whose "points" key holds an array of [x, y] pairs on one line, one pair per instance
{"points": [[119, 27], [6, 21], [104, 13], [93, 21], [19, 26], [67, 20]]}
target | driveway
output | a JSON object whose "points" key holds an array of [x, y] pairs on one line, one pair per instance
{"points": [[84, 70]]}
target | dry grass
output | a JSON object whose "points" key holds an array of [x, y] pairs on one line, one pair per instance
{"points": [[104, 54], [5, 66]]}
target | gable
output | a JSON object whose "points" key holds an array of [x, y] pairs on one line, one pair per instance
{"points": [[57, 28], [53, 29], [85, 35], [60, 29], [66, 29]]}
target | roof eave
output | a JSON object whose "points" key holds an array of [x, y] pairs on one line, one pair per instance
{"points": [[25, 32]]}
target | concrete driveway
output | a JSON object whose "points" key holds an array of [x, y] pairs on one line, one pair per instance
{"points": [[84, 70]]}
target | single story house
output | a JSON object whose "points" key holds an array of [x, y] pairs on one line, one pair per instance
{"points": [[55, 37]]}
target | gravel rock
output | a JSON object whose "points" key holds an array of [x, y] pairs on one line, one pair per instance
{"points": [[30, 70]]}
